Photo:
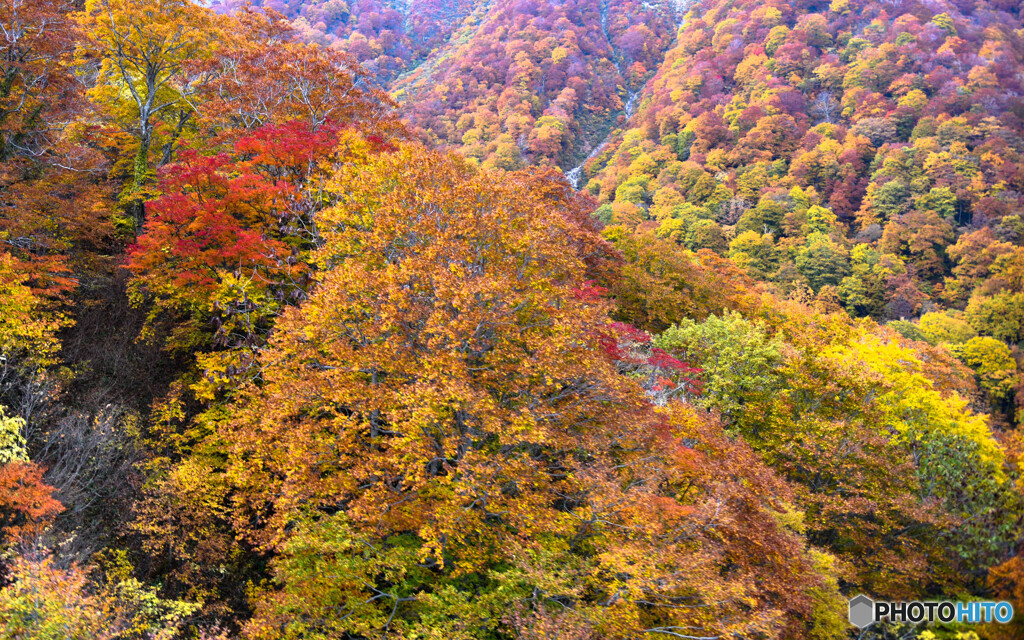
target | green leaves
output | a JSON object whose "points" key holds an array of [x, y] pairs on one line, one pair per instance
{"points": [[739, 358]]}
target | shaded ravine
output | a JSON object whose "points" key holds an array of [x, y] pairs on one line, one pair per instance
{"points": [[573, 175]]}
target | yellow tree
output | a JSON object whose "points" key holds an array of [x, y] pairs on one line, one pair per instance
{"points": [[145, 53]]}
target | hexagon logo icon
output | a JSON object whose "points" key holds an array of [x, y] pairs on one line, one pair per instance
{"points": [[862, 610]]}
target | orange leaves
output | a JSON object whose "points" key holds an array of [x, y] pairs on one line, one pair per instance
{"points": [[265, 77], [444, 385], [38, 89], [26, 502]]}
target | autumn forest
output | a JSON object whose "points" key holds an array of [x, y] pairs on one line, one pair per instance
{"points": [[509, 319]]}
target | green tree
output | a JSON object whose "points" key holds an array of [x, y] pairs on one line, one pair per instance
{"points": [[739, 359], [941, 200], [822, 261]]}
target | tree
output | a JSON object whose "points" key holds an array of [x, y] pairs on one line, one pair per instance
{"points": [[921, 237], [27, 505], [264, 77], [737, 357], [755, 253], [230, 235], [28, 322], [820, 220], [974, 253], [941, 200], [660, 283], [146, 54], [446, 396], [993, 364], [822, 261], [946, 327], [37, 88], [51, 208], [867, 387], [1000, 316]]}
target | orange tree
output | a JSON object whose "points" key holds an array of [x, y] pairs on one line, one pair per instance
{"points": [[51, 208], [441, 442]]}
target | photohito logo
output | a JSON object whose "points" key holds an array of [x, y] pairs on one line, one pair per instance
{"points": [[864, 611]]}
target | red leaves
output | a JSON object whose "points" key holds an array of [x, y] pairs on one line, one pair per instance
{"points": [[662, 375], [210, 217], [661, 359], [290, 145], [629, 333], [230, 211], [589, 292]]}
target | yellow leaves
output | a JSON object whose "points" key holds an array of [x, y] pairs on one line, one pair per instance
{"points": [[129, 36], [909, 400], [791, 518], [945, 22], [914, 99], [12, 443], [751, 69], [842, 7], [149, 54], [28, 326]]}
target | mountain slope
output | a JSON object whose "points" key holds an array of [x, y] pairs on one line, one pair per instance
{"points": [[510, 82], [867, 154], [386, 36], [538, 83]]}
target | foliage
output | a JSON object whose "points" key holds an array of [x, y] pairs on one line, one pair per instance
{"points": [[992, 363], [533, 82], [452, 435], [28, 322], [12, 443], [949, 327], [738, 358], [599, 355], [46, 602]]}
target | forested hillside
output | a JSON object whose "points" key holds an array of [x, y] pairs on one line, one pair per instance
{"points": [[510, 82], [508, 319], [868, 154]]}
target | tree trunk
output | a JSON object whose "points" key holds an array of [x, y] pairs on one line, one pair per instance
{"points": [[137, 204]]}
